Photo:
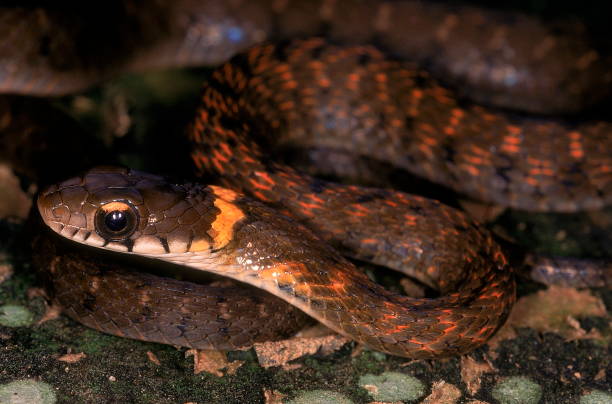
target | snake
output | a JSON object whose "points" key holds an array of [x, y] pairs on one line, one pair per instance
{"points": [[282, 231]]}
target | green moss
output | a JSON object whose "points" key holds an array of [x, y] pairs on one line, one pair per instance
{"points": [[15, 316]]}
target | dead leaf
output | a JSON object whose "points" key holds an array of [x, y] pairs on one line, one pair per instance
{"points": [[549, 310], [211, 361], [273, 396], [14, 202], [153, 358], [477, 402], [72, 358], [51, 313], [471, 370], [32, 293], [6, 271], [371, 388], [442, 393], [279, 353]]}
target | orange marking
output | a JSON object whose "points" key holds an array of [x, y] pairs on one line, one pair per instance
{"points": [[472, 170], [260, 196], [324, 82], [575, 135], [218, 156], [380, 77], [308, 206], [197, 160], [112, 206], [222, 228], [199, 245], [474, 159], [287, 105], [430, 141], [225, 193], [315, 198], [512, 140], [411, 220], [290, 85], [510, 148], [605, 168], [265, 176], [458, 113], [259, 185], [513, 130], [226, 149]]}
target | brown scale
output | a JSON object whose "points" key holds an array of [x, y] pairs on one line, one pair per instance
{"points": [[504, 58], [123, 301]]}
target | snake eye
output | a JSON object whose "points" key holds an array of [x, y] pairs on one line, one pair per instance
{"points": [[116, 220]]}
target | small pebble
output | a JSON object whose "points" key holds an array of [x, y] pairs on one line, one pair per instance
{"points": [[393, 386], [517, 390], [27, 392], [15, 316]]}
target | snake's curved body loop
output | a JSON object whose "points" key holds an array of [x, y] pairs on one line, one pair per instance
{"points": [[217, 230]]}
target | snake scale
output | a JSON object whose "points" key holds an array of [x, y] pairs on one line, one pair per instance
{"points": [[307, 89]]}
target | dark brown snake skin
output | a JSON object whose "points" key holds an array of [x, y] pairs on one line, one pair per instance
{"points": [[217, 230], [305, 90]]}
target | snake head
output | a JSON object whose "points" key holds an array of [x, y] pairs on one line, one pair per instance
{"points": [[129, 211]]}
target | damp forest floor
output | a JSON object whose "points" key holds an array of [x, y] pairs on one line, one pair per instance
{"points": [[554, 349], [563, 356]]}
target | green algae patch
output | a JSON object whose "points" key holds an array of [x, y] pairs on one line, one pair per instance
{"points": [[27, 392], [517, 390], [596, 397], [15, 316], [393, 386], [320, 397]]}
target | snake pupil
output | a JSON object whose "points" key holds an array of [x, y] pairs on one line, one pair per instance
{"points": [[116, 220]]}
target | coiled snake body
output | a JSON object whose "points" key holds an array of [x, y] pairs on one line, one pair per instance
{"points": [[383, 107]]}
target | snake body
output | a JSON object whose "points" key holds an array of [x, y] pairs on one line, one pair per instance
{"points": [[215, 229], [304, 90]]}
